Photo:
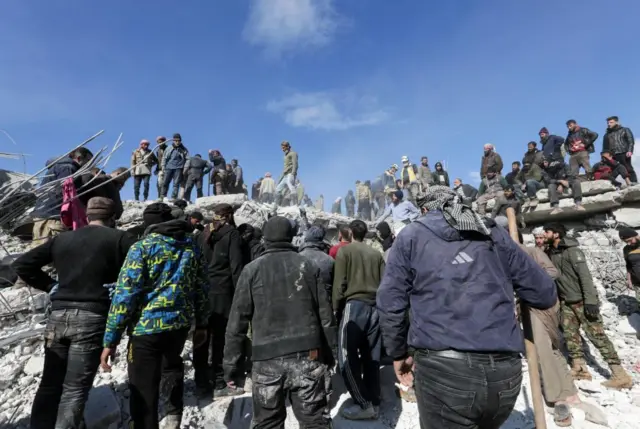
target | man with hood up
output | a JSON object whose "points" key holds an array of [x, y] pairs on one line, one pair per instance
{"points": [[195, 169], [440, 176], [490, 159], [580, 308], [425, 176], [464, 332], [350, 203], [223, 247], [218, 175], [317, 250], [252, 246], [173, 161], [409, 176], [282, 296], [162, 289], [142, 161], [337, 206]]}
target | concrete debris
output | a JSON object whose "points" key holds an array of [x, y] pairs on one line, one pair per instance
{"points": [[34, 365], [629, 215], [209, 203], [595, 187]]}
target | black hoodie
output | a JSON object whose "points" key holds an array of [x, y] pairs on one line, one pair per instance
{"points": [[225, 266]]}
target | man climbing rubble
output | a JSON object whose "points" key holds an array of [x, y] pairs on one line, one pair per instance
{"points": [[161, 289], [445, 268], [173, 161], [490, 160], [85, 260], [364, 198], [491, 187], [400, 211], [579, 144], [609, 169], [218, 171], [554, 174], [46, 214], [620, 142], [350, 203], [142, 162], [409, 176], [222, 246], [631, 254], [288, 363], [195, 169], [580, 307], [288, 176], [358, 272]]}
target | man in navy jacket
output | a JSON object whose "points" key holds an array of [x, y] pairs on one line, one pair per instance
{"points": [[457, 276]]}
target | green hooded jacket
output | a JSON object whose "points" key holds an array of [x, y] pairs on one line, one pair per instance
{"points": [[575, 283]]}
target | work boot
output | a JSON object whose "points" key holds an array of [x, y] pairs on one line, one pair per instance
{"points": [[580, 370], [619, 378], [556, 210], [356, 412]]}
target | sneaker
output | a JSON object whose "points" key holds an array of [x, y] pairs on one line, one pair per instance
{"points": [[356, 412], [555, 211], [228, 391]]}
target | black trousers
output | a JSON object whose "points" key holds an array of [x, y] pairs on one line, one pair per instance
{"points": [[73, 344], [137, 181], [150, 357], [191, 182], [214, 347], [470, 391], [304, 382], [622, 159]]}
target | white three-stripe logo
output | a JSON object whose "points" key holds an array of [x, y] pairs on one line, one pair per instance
{"points": [[462, 258]]}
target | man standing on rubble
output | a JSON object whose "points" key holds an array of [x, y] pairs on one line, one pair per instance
{"points": [[425, 176], [364, 197], [195, 169], [267, 189], [218, 175], [490, 159], [223, 249], [350, 203], [579, 144], [440, 175], [85, 260], [358, 272], [552, 146], [336, 208], [620, 142], [161, 289], [409, 175], [288, 176], [238, 177], [162, 146], [142, 161], [46, 214], [631, 254], [173, 161], [580, 307], [293, 333], [457, 277]]}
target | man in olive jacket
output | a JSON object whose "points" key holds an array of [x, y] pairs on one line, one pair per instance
{"points": [[580, 307]]}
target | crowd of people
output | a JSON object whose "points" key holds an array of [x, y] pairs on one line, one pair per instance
{"points": [[440, 301]]}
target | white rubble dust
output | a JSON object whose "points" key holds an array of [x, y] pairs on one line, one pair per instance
{"points": [[21, 354]]}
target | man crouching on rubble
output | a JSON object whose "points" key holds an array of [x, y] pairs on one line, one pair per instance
{"points": [[85, 259], [294, 332], [162, 287]]}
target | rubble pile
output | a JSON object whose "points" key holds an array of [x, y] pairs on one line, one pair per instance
{"points": [[21, 345]]}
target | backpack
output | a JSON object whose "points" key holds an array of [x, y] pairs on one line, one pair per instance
{"points": [[73, 213]]}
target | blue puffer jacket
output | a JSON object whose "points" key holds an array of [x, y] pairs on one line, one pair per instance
{"points": [[459, 290], [48, 204]]}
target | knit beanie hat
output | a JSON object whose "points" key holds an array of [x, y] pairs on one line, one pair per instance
{"points": [[543, 130], [626, 233], [100, 208], [177, 136], [156, 213], [399, 194], [278, 230], [315, 234]]}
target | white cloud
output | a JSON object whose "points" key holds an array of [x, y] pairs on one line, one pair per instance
{"points": [[328, 110], [291, 25]]}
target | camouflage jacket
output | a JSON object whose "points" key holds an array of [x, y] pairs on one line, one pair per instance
{"points": [[162, 285]]}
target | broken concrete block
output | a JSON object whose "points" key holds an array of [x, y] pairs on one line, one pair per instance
{"points": [[593, 204], [595, 187], [629, 215], [102, 409], [34, 365], [631, 194], [209, 203]]}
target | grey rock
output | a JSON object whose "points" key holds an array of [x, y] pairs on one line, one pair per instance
{"points": [[102, 409], [629, 215], [631, 194], [34, 365], [208, 203]]}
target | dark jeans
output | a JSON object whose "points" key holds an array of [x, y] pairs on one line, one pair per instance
{"points": [[359, 352], [478, 391], [622, 159], [304, 382], [73, 344], [176, 176], [149, 358], [214, 346], [191, 181], [137, 181], [576, 191], [351, 210], [364, 209], [533, 186]]}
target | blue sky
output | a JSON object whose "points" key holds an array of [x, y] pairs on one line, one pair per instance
{"points": [[352, 84]]}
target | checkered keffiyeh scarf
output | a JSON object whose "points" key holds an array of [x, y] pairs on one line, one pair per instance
{"points": [[459, 216]]}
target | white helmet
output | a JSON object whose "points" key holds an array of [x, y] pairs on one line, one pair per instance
{"points": [[405, 158]]}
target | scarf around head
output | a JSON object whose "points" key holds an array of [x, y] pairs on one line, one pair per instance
{"points": [[457, 215]]}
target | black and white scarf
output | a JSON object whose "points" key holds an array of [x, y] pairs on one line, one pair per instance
{"points": [[459, 216]]}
